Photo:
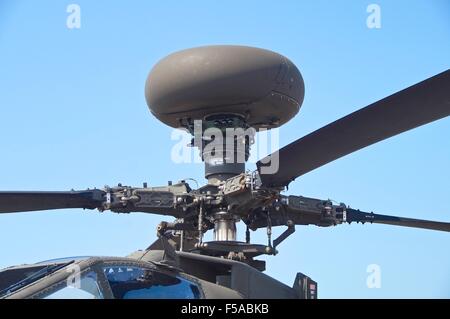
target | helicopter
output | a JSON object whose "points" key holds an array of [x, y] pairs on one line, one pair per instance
{"points": [[223, 95]]}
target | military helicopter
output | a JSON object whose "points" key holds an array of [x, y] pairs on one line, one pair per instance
{"points": [[223, 95]]}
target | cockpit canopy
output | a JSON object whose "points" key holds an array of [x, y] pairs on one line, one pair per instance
{"points": [[96, 278]]}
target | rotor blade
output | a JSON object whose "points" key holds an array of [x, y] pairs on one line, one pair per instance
{"points": [[417, 105], [302, 210], [12, 202], [299, 210], [363, 217]]}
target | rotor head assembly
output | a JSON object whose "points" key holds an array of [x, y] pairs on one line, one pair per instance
{"points": [[223, 95]]}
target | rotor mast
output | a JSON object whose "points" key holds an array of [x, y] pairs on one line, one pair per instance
{"points": [[224, 142]]}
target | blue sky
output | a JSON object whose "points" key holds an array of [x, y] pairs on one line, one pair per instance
{"points": [[73, 115]]}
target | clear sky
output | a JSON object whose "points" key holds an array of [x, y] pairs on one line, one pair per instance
{"points": [[73, 115]]}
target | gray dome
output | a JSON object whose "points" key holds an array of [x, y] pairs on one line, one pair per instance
{"points": [[263, 86]]}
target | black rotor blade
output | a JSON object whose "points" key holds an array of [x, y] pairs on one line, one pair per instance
{"points": [[363, 217], [301, 210], [12, 202], [417, 105]]}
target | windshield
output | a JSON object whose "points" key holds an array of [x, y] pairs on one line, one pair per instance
{"points": [[129, 282], [13, 279]]}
